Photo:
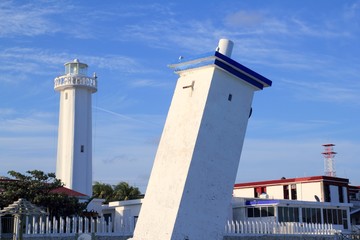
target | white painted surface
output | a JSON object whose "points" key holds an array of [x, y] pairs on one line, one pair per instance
{"points": [[244, 192], [74, 156], [225, 47], [275, 192], [192, 179], [307, 191]]}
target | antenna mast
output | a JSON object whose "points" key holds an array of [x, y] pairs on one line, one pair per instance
{"points": [[329, 163]]}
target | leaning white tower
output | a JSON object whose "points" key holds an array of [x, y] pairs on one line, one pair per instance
{"points": [[74, 156], [189, 192]]}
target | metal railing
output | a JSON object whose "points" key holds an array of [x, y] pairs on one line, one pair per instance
{"points": [[234, 228]]}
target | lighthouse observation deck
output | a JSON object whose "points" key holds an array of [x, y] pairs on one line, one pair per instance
{"points": [[70, 80], [75, 76]]}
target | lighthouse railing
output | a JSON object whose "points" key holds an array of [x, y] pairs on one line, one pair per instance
{"points": [[75, 80]]}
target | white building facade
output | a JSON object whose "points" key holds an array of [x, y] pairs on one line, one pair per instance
{"points": [[317, 199], [74, 156]]}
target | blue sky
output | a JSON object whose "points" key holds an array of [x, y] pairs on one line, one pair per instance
{"points": [[309, 49]]}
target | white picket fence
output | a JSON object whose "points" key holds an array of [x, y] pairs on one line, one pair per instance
{"points": [[36, 226], [234, 228]]}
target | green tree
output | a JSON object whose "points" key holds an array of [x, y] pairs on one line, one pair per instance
{"points": [[103, 190], [119, 192], [123, 191], [36, 187]]}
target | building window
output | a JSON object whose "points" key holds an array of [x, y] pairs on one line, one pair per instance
{"points": [[107, 218], [260, 212], [66, 96], [258, 191], [253, 212], [335, 216], [82, 148], [267, 211], [293, 192], [311, 215], [286, 191], [341, 194], [230, 97], [135, 220], [288, 214], [327, 193]]}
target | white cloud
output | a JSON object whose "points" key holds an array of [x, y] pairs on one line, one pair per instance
{"points": [[6, 111], [325, 91], [244, 19], [26, 19], [25, 123], [147, 83], [21, 63]]}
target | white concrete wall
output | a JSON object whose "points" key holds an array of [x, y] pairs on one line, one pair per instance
{"points": [[275, 192], [307, 191], [244, 192], [74, 167], [195, 166]]}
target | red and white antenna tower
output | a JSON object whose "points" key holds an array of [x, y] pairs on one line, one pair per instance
{"points": [[329, 163]]}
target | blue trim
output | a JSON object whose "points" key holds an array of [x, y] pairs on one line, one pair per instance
{"points": [[261, 202], [224, 63], [243, 68], [239, 74]]}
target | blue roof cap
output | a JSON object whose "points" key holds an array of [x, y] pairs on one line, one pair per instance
{"points": [[227, 64]]}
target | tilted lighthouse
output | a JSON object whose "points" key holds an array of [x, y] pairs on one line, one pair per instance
{"points": [[74, 156], [190, 187]]}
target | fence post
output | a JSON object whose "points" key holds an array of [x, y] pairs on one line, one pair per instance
{"points": [[110, 225], [104, 228], [81, 225], [75, 229], [41, 219], [98, 225], [49, 227], [26, 225], [227, 227], [86, 223], [61, 225], [92, 230]]}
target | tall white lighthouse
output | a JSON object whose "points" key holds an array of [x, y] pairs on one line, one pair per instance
{"points": [[190, 187], [74, 156]]}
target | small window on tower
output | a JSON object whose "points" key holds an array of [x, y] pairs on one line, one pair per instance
{"points": [[66, 95], [82, 148], [230, 97]]}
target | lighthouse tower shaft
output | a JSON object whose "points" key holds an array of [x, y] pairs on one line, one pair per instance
{"points": [[74, 156], [190, 187]]}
